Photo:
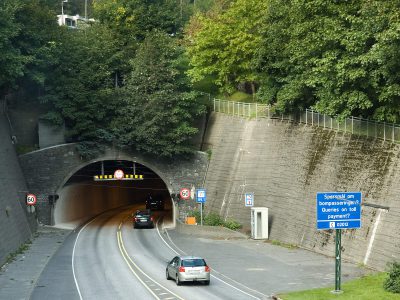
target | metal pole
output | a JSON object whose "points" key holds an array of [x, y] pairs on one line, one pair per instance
{"points": [[352, 124], [338, 242], [384, 131], [393, 134], [85, 10], [201, 214], [62, 12], [306, 117]]}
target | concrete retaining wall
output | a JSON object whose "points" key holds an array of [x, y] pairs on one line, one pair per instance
{"points": [[285, 165], [16, 224]]}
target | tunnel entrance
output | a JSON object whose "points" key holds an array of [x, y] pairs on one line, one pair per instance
{"points": [[93, 189]]}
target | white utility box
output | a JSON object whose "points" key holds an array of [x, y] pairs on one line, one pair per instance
{"points": [[259, 223]]}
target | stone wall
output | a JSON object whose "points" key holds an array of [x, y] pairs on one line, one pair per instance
{"points": [[286, 164], [16, 224], [47, 170]]}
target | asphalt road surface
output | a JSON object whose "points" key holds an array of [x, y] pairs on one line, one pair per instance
{"points": [[108, 259]]}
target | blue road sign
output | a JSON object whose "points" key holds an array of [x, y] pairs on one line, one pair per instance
{"points": [[201, 196], [249, 199], [339, 210]]}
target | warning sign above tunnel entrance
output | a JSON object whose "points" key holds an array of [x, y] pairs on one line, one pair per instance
{"points": [[119, 174], [112, 177]]}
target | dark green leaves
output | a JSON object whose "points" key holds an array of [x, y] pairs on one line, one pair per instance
{"points": [[157, 108]]}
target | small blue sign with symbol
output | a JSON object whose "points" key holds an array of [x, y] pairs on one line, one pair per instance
{"points": [[249, 199], [201, 196], [338, 210]]}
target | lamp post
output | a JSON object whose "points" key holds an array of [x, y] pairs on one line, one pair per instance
{"points": [[62, 12]]}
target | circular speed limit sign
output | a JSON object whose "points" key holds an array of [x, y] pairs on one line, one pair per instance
{"points": [[30, 199], [185, 193], [119, 174]]}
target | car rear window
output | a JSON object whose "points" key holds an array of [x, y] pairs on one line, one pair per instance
{"points": [[193, 262]]}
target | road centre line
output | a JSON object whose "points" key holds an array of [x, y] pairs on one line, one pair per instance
{"points": [[121, 243], [183, 252], [130, 267]]}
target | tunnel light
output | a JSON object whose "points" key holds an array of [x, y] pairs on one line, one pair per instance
{"points": [[111, 177]]}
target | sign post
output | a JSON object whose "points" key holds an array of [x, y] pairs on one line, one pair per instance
{"points": [[338, 259], [338, 211], [201, 198]]}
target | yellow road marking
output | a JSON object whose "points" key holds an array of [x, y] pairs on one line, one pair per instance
{"points": [[128, 259]]}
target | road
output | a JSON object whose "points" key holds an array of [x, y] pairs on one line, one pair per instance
{"points": [[108, 259]]}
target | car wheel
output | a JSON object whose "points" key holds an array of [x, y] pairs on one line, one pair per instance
{"points": [[167, 274], [207, 282], [178, 282]]}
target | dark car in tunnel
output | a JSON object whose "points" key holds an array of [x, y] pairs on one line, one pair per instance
{"points": [[155, 202], [143, 218]]}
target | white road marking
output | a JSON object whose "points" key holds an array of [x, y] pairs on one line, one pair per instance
{"points": [[73, 258], [140, 270], [158, 231]]}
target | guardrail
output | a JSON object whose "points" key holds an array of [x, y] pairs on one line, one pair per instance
{"points": [[353, 125]]}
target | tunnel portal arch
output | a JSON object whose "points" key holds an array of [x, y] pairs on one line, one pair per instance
{"points": [[49, 169]]}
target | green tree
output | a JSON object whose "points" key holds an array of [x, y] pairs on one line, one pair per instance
{"points": [[337, 57], [11, 60], [157, 108], [224, 42], [133, 19], [28, 30], [81, 87], [37, 39]]}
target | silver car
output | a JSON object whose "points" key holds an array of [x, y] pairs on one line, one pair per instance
{"points": [[188, 268]]}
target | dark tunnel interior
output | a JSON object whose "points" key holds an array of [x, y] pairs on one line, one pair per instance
{"points": [[82, 197]]}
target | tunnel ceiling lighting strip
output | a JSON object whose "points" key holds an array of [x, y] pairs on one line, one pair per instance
{"points": [[111, 177]]}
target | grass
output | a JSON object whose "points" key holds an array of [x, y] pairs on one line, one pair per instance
{"points": [[365, 288], [281, 244], [22, 249]]}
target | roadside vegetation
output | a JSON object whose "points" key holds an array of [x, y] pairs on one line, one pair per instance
{"points": [[21, 250], [137, 77], [384, 285], [213, 219]]}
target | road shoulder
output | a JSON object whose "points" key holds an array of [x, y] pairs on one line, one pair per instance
{"points": [[19, 277]]}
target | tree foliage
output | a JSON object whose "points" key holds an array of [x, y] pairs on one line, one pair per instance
{"points": [[81, 86], [157, 107], [224, 42], [11, 60], [27, 32], [337, 57], [134, 18]]}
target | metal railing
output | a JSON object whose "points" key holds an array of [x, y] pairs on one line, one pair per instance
{"points": [[353, 125]]}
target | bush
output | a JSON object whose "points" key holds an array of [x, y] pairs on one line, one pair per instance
{"points": [[232, 224], [213, 219], [392, 282]]}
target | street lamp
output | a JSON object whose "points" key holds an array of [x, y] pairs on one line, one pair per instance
{"points": [[62, 11]]}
